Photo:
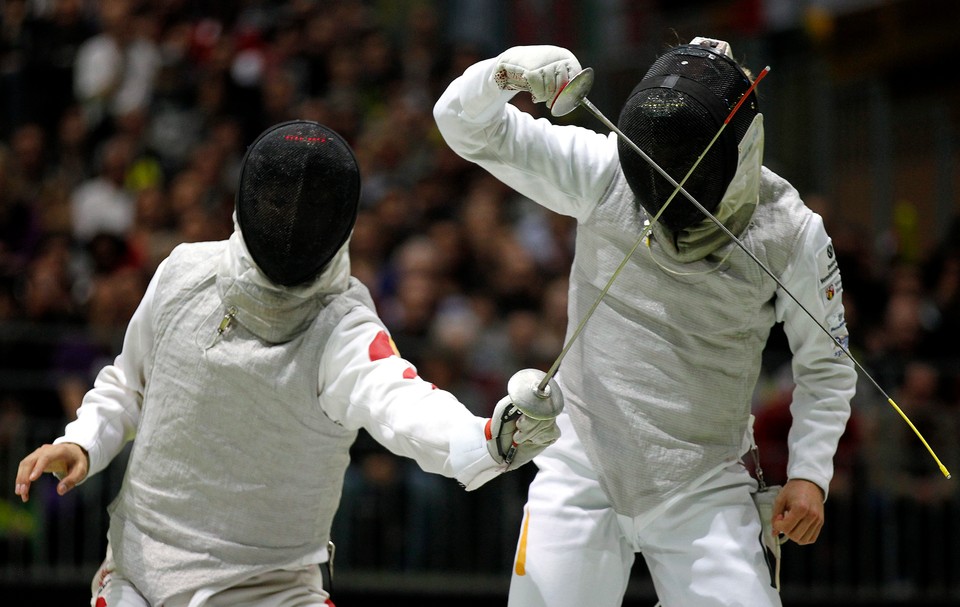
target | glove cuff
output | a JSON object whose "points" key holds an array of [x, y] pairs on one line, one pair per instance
{"points": [[470, 460]]}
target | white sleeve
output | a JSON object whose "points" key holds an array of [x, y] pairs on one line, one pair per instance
{"points": [[564, 168], [110, 412], [824, 377], [364, 383]]}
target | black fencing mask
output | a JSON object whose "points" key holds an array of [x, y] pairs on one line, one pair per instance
{"points": [[672, 115], [297, 200]]}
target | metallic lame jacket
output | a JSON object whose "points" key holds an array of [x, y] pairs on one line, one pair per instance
{"points": [[660, 382], [243, 428]]}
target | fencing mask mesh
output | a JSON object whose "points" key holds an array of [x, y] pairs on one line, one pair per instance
{"points": [[297, 200], [672, 115]]}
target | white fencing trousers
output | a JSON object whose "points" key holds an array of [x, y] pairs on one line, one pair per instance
{"points": [[702, 547], [281, 588]]}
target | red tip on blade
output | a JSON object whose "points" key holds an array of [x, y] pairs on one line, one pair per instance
{"points": [[756, 81]]}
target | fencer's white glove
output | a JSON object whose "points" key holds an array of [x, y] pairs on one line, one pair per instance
{"points": [[540, 70], [514, 439]]}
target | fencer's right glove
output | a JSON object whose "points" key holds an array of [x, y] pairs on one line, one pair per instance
{"points": [[514, 439], [541, 70]]}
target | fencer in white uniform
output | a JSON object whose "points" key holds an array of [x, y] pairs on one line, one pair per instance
{"points": [[658, 385], [246, 372]]}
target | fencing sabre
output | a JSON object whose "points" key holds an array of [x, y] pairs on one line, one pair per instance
{"points": [[574, 95]]}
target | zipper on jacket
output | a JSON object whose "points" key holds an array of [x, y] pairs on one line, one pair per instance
{"points": [[227, 319], [206, 340]]}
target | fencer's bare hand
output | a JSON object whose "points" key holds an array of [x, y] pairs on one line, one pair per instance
{"points": [[68, 461], [798, 511]]}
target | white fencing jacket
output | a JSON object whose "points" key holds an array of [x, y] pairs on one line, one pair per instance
{"points": [[659, 384], [243, 399]]}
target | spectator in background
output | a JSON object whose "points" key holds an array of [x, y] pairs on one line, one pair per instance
{"points": [[79, 355], [30, 156], [115, 70], [152, 236], [44, 300], [942, 277], [414, 295], [102, 204], [899, 464], [903, 336], [14, 53], [57, 30], [71, 160], [16, 220]]}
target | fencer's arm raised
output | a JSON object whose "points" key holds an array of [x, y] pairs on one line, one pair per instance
{"points": [[365, 383], [564, 168], [825, 379], [109, 414]]}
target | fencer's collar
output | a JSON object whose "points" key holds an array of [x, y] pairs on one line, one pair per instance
{"points": [[273, 312], [735, 210]]}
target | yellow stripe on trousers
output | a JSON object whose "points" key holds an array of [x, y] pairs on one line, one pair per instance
{"points": [[521, 565]]}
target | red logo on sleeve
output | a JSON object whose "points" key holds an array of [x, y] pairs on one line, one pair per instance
{"points": [[382, 346]]}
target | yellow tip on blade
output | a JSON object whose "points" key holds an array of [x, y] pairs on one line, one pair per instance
{"points": [[943, 468]]}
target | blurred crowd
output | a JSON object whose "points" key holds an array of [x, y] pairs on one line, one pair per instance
{"points": [[123, 124]]}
